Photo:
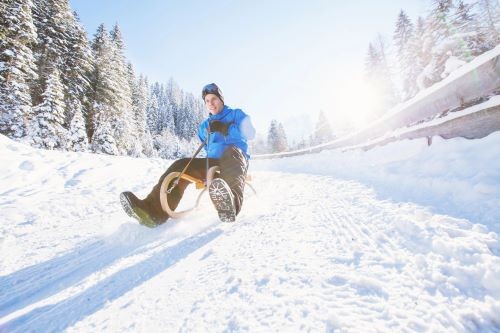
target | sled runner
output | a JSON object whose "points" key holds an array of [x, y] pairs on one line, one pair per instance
{"points": [[200, 185]]}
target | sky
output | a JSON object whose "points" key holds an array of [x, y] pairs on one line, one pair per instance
{"points": [[283, 60]]}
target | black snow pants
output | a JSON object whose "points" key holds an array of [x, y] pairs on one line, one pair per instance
{"points": [[233, 169]]}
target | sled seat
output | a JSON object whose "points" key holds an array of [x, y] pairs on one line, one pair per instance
{"points": [[200, 185]]}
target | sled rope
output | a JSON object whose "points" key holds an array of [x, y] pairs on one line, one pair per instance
{"points": [[173, 178], [176, 181]]}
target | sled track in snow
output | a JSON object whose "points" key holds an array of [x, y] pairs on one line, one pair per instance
{"points": [[83, 280], [308, 253]]}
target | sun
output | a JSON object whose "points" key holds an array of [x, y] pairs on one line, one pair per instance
{"points": [[358, 103]]}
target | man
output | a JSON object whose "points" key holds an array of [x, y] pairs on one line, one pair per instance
{"points": [[228, 131]]}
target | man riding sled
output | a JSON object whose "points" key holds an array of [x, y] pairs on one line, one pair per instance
{"points": [[225, 133]]}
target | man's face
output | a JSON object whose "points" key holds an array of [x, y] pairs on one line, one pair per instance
{"points": [[213, 104]]}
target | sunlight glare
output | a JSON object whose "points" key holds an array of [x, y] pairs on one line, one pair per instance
{"points": [[357, 103]]}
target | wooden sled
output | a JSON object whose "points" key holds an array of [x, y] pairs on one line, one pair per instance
{"points": [[200, 185]]}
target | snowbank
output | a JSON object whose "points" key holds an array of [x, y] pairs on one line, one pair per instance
{"points": [[458, 177]]}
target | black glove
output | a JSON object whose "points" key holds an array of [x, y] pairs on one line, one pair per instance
{"points": [[219, 126]]}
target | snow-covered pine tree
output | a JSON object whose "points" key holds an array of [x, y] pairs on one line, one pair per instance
{"points": [[78, 65], [123, 127], [167, 144], [168, 111], [139, 91], [47, 129], [77, 134], [103, 141], [191, 117], [174, 96], [282, 143], [62, 42], [402, 38], [323, 131], [104, 97], [272, 136], [51, 21], [462, 20], [420, 49], [148, 144], [276, 138], [153, 110], [168, 108], [186, 120], [489, 18], [199, 111], [378, 73], [17, 66], [371, 62], [137, 132], [165, 111], [188, 147], [440, 31]]}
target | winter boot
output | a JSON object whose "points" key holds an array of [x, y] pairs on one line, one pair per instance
{"points": [[223, 200], [136, 209]]}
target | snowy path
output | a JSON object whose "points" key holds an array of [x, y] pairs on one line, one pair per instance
{"points": [[309, 253]]}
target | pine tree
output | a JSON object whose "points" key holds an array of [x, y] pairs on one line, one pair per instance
{"points": [[472, 39], [167, 144], [153, 110], [51, 21], [371, 61], [123, 131], [272, 136], [190, 116], [78, 65], [137, 132], [47, 128], [139, 104], [77, 135], [402, 37], [103, 141], [276, 138], [323, 132], [378, 73], [104, 96], [187, 147], [17, 66], [420, 48], [174, 97], [282, 143], [489, 17], [440, 31], [62, 43]]}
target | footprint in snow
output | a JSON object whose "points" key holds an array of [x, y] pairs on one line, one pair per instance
{"points": [[27, 166]]}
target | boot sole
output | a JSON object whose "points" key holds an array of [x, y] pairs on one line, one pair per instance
{"points": [[221, 198], [136, 213]]}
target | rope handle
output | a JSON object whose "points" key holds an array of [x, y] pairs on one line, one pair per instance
{"points": [[176, 181]]}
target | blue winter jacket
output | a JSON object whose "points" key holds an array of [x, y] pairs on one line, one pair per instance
{"points": [[240, 130]]}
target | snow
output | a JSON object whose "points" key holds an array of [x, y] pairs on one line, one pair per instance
{"points": [[400, 238], [9, 53], [456, 74], [493, 101], [458, 177], [451, 65]]}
